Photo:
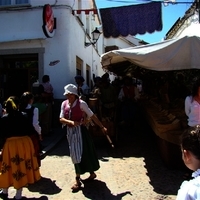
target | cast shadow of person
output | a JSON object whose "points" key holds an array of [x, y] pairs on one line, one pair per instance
{"points": [[97, 190], [34, 198], [45, 186]]}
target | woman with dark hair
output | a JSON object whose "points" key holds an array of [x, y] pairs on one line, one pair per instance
{"points": [[32, 112], [82, 151], [18, 164], [46, 92], [47, 87], [192, 105], [128, 97], [83, 88], [190, 147]]}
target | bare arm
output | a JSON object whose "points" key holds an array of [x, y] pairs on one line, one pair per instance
{"points": [[98, 123], [69, 122]]}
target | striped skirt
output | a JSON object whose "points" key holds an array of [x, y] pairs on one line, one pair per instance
{"points": [[89, 159], [75, 143], [18, 166]]}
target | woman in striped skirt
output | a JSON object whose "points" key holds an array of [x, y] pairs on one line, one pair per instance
{"points": [[82, 151]]}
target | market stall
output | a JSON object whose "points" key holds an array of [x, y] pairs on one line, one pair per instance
{"points": [[164, 112]]}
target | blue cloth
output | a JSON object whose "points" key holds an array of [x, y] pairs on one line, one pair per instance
{"points": [[136, 19]]}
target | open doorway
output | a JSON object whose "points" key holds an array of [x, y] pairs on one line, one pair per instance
{"points": [[17, 74]]}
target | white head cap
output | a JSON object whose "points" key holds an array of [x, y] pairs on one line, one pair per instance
{"points": [[71, 89]]}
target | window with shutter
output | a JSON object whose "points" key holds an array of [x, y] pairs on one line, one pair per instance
{"points": [[13, 2]]}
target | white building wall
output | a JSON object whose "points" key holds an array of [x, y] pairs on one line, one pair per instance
{"points": [[122, 42], [190, 27], [70, 3], [22, 29], [21, 25]]}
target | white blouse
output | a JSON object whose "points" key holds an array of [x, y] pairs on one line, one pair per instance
{"points": [[137, 94], [35, 119], [190, 190], [192, 110]]}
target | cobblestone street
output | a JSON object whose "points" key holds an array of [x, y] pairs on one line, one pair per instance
{"points": [[133, 170]]}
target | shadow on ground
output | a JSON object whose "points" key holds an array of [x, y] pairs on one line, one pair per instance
{"points": [[34, 198], [136, 140], [101, 188], [140, 141], [45, 186]]}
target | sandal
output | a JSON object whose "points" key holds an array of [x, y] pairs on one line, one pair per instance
{"points": [[91, 177], [76, 187]]}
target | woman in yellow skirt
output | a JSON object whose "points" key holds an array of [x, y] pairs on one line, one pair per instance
{"points": [[18, 163]]}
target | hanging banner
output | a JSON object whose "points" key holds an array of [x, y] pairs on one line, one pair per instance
{"points": [[87, 11], [131, 20]]}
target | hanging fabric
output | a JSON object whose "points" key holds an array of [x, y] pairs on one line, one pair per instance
{"points": [[87, 11], [131, 20]]}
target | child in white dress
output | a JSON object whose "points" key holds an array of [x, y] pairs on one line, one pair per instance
{"points": [[190, 146]]}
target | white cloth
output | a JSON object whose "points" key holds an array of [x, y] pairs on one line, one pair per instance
{"points": [[190, 190], [35, 119], [47, 87], [85, 89], [192, 110], [121, 94], [74, 138]]}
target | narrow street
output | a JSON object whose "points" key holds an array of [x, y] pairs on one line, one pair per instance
{"points": [[133, 170]]}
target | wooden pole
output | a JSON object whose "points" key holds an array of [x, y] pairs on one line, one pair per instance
{"points": [[110, 141]]}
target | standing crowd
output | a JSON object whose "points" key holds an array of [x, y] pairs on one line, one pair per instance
{"points": [[77, 112], [20, 136], [25, 120]]}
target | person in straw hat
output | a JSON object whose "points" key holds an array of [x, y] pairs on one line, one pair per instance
{"points": [[82, 151]]}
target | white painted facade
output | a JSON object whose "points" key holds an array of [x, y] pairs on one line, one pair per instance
{"points": [[122, 42], [22, 33], [190, 27]]}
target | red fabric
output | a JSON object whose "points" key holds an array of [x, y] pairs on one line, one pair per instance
{"points": [[129, 92], [76, 113], [36, 144], [87, 11]]}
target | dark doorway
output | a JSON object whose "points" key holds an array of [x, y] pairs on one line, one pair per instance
{"points": [[17, 74]]}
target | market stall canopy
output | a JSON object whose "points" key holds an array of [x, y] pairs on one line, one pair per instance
{"points": [[173, 54]]}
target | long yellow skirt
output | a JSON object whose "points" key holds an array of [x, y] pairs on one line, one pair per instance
{"points": [[19, 166]]}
